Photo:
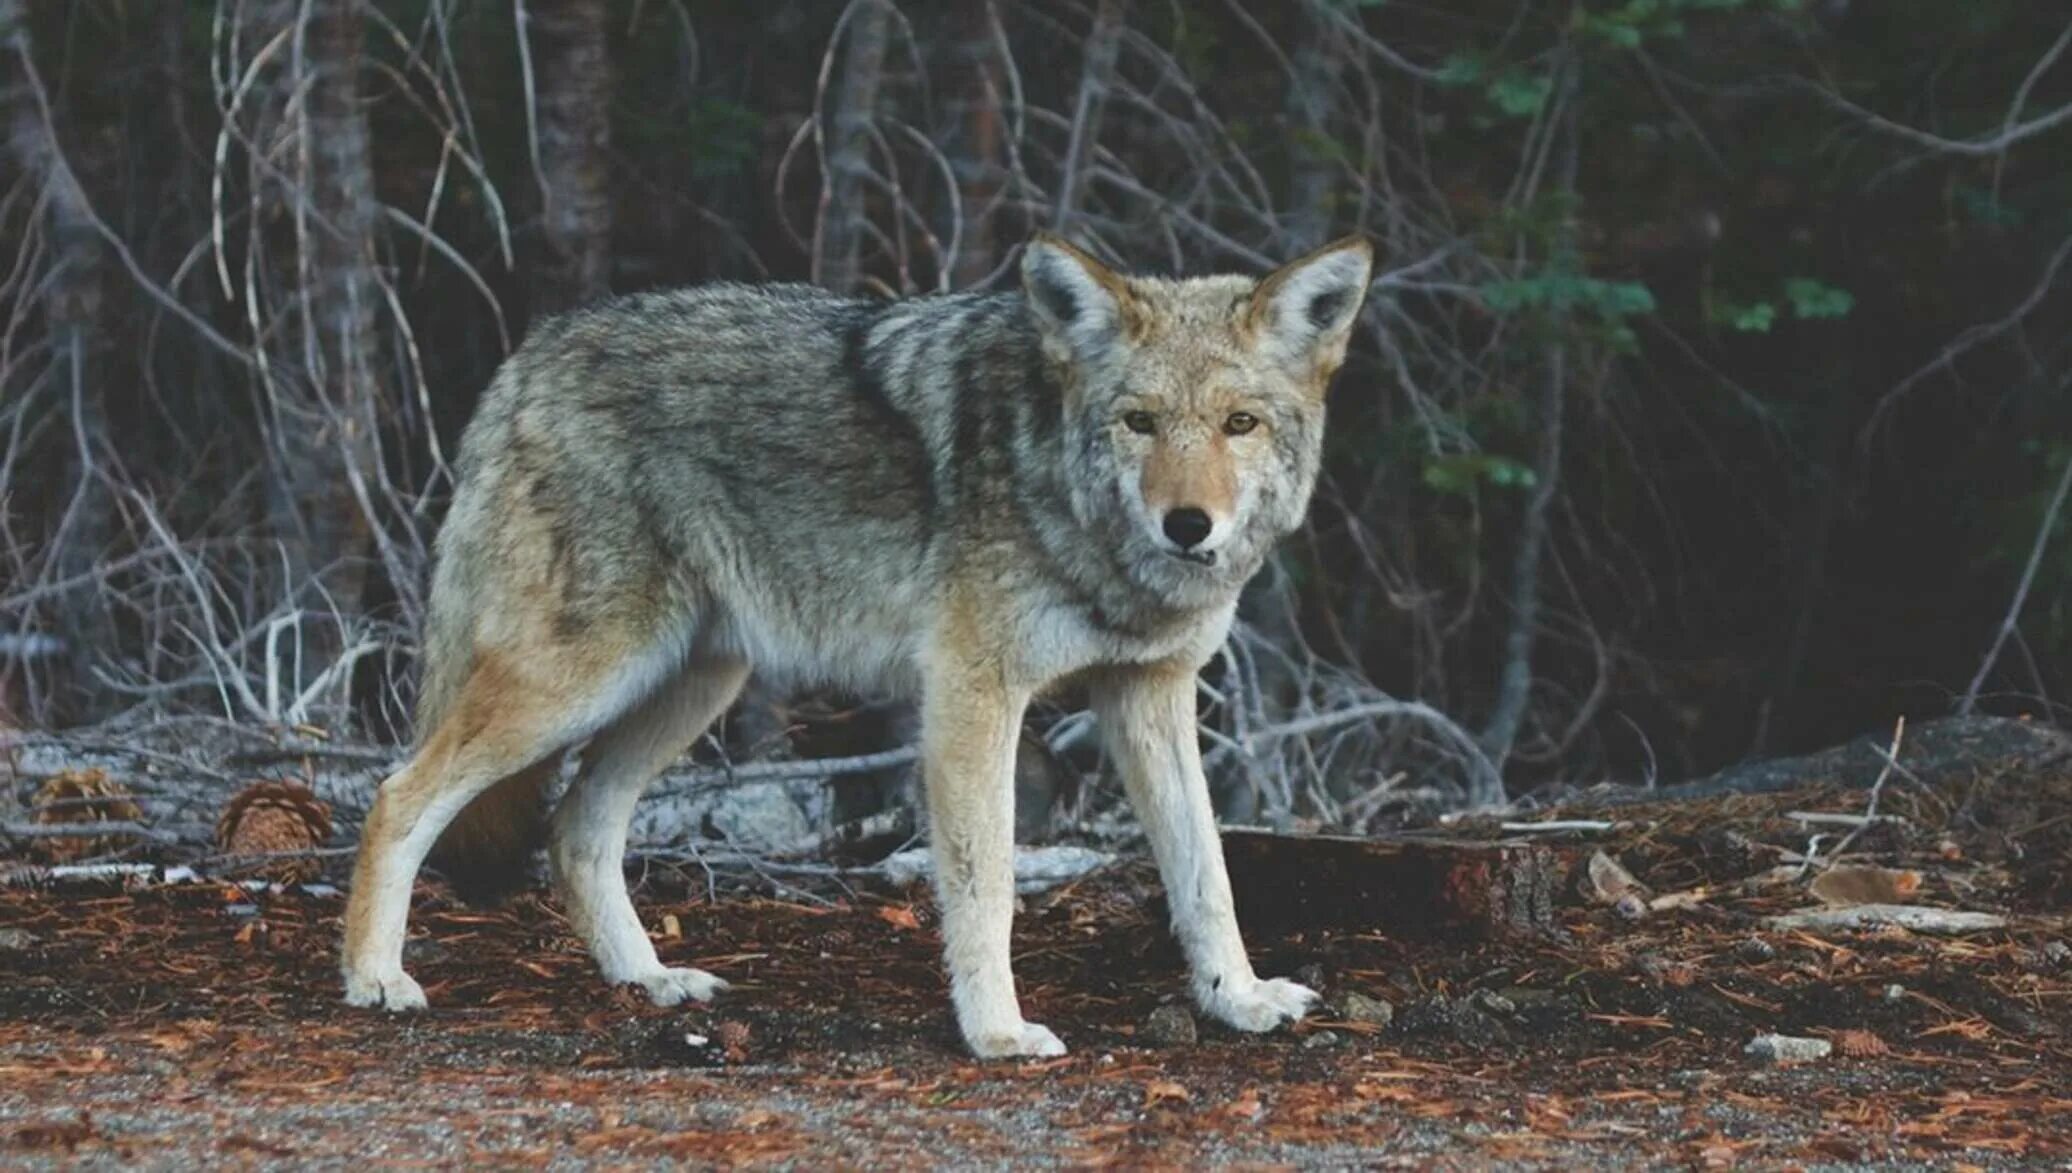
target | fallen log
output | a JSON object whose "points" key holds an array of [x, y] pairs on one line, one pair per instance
{"points": [[1952, 753], [1406, 887]]}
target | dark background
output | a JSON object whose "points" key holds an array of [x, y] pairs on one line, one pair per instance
{"points": [[1741, 324]]}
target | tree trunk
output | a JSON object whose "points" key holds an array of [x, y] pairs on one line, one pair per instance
{"points": [[326, 380], [573, 141], [1096, 78], [838, 235], [976, 138], [1514, 684], [1311, 174], [72, 314]]}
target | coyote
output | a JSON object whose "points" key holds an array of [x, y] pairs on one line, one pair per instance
{"points": [[968, 499]]}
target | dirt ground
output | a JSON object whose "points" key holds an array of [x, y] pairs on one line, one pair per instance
{"points": [[198, 1024]]}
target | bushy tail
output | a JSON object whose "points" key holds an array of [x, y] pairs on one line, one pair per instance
{"points": [[486, 852]]}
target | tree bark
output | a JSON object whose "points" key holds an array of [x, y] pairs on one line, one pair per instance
{"points": [[327, 382], [1514, 683], [1317, 60], [839, 232], [573, 141], [975, 139]]}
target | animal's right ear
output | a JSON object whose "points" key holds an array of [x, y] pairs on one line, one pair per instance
{"points": [[1081, 304]]}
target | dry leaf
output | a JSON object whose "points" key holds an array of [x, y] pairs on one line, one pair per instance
{"points": [[899, 916], [1675, 900], [1158, 1091], [1866, 885], [1607, 882]]}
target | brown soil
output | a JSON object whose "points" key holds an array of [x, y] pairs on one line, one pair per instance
{"points": [[198, 1024]]}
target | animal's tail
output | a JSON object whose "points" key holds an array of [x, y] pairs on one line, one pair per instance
{"points": [[486, 852]]}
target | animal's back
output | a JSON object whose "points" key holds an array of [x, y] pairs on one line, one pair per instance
{"points": [[772, 462]]}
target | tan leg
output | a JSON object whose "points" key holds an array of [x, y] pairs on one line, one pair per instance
{"points": [[968, 730], [588, 843], [1148, 724], [500, 724]]}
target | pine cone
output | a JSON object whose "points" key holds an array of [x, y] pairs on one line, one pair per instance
{"points": [[276, 817], [80, 796]]}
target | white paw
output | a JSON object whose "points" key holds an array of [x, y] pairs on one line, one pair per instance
{"points": [[668, 987], [395, 992], [1023, 1039], [1258, 1005]]}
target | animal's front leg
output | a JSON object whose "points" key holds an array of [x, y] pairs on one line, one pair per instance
{"points": [[1147, 721], [969, 721]]}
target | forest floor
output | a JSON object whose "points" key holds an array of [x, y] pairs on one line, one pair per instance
{"points": [[198, 1023]]}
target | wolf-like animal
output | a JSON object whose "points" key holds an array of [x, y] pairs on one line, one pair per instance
{"points": [[968, 499]]}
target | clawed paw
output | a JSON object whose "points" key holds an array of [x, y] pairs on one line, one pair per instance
{"points": [[1259, 1005], [669, 987], [1023, 1040], [395, 992]]}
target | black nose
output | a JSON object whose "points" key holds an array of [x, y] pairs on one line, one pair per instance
{"points": [[1187, 527]]}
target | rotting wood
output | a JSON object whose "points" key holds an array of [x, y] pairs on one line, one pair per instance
{"points": [[1422, 887]]}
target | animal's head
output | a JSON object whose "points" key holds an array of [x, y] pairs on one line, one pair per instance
{"points": [[1195, 408]]}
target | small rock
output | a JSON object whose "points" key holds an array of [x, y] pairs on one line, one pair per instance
{"points": [[1353, 1006], [15, 940], [1460, 1019], [1787, 1049], [2022, 1023], [422, 950], [1493, 1002], [1528, 998], [1895, 992], [1311, 975], [1755, 950], [1169, 1026], [2057, 953], [1322, 1039]]}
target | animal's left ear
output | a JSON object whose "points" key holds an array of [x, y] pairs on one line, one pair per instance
{"points": [[1302, 314]]}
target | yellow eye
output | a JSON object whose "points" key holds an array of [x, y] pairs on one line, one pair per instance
{"points": [[1139, 422], [1239, 423]]}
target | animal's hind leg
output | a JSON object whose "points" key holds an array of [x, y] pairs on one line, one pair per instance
{"points": [[501, 723], [588, 843]]}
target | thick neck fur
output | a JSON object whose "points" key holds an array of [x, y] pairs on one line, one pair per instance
{"points": [[1027, 461]]}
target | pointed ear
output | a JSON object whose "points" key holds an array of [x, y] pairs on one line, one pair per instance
{"points": [[1302, 314], [1080, 304]]}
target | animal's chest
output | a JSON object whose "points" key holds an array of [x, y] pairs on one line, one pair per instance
{"points": [[1054, 639]]}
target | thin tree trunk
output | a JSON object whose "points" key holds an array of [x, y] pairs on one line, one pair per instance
{"points": [[1312, 178], [1514, 683], [573, 141], [838, 236], [1096, 78], [976, 138], [72, 311], [326, 376]]}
